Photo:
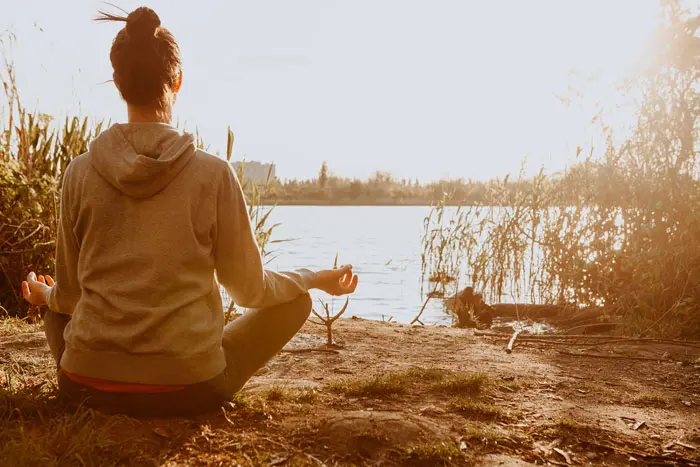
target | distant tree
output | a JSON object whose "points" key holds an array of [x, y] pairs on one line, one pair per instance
{"points": [[323, 175], [356, 189]]}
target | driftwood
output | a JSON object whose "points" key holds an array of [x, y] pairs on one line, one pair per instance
{"points": [[597, 327], [561, 316], [525, 310], [509, 347]]}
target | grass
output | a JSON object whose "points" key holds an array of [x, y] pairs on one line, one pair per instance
{"points": [[570, 427], [429, 454], [651, 399], [462, 383], [488, 437], [373, 386], [397, 382], [37, 429], [475, 410], [62, 439], [285, 394], [10, 325]]}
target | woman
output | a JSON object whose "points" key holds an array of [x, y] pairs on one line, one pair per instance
{"points": [[148, 224]]}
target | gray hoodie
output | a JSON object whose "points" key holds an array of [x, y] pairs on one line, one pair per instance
{"points": [[148, 223]]}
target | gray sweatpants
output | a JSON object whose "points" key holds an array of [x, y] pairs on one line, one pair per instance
{"points": [[248, 343]]}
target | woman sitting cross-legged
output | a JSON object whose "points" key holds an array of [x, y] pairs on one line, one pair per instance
{"points": [[149, 227]]}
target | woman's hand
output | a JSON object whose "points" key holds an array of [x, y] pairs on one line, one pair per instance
{"points": [[340, 281], [36, 290]]}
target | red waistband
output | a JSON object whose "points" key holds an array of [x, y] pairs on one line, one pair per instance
{"points": [[117, 386]]}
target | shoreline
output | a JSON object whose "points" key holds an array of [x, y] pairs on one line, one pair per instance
{"points": [[389, 394]]}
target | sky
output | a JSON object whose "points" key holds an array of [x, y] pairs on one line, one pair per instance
{"points": [[420, 89]]}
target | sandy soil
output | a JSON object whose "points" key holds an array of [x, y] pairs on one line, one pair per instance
{"points": [[536, 405]]}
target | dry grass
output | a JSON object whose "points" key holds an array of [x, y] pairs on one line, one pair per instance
{"points": [[650, 399], [285, 394], [475, 410], [394, 383], [462, 383], [11, 325], [384, 385], [492, 438], [430, 454]]}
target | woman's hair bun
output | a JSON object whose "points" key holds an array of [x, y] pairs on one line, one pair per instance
{"points": [[142, 23]]}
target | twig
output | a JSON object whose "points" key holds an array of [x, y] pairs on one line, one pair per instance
{"points": [[422, 309], [509, 348], [315, 459], [28, 236], [28, 250], [310, 349]]}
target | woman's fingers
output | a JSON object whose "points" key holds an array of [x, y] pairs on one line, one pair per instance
{"points": [[41, 279], [349, 286], [50, 281], [25, 290], [353, 283]]}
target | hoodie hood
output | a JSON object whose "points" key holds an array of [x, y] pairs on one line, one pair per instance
{"points": [[141, 159]]}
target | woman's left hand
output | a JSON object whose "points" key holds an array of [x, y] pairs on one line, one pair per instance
{"points": [[36, 290]]}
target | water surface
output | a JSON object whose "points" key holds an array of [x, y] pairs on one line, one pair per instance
{"points": [[383, 243]]}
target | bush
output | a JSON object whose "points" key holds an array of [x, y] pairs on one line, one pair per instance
{"points": [[33, 156], [27, 230]]}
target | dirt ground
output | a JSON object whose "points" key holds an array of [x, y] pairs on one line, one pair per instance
{"points": [[390, 394]]}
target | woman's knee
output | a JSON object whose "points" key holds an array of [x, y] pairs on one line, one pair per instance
{"points": [[302, 306]]}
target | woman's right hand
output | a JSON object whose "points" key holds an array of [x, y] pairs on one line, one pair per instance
{"points": [[340, 281]]}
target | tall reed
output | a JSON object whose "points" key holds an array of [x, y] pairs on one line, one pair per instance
{"points": [[620, 231]]}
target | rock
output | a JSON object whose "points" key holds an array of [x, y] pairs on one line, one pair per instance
{"points": [[431, 410]]}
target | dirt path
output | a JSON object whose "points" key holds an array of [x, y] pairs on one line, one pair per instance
{"points": [[394, 394]]}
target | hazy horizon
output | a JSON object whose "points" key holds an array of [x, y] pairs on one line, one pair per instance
{"points": [[423, 90]]}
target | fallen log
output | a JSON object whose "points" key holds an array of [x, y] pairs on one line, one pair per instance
{"points": [[597, 327], [525, 310]]}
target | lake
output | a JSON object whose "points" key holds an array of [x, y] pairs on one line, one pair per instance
{"points": [[383, 243]]}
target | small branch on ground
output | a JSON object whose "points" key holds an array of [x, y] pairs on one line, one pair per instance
{"points": [[422, 309], [328, 320], [310, 349], [509, 347]]}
